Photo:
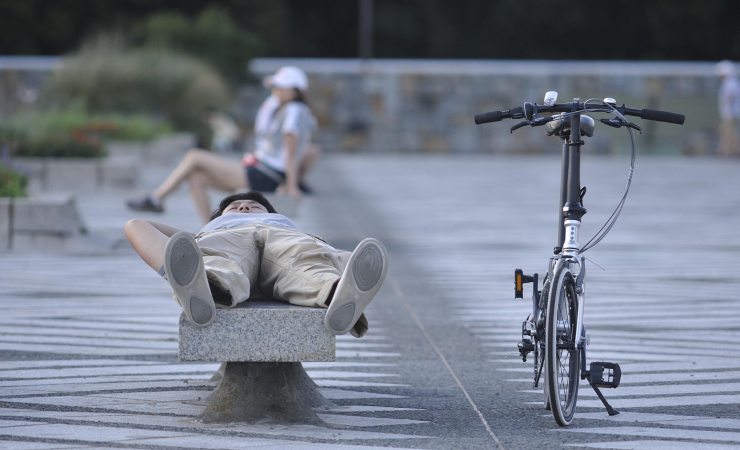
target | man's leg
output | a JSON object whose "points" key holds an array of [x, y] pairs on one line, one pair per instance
{"points": [[174, 255], [231, 259], [149, 239], [305, 271]]}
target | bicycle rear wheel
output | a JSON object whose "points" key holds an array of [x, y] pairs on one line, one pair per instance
{"points": [[562, 358]]}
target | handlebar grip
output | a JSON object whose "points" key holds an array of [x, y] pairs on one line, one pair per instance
{"points": [[662, 116], [492, 116]]}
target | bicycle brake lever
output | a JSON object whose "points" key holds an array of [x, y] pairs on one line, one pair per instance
{"points": [[619, 123], [536, 122], [523, 123], [634, 126], [614, 123]]}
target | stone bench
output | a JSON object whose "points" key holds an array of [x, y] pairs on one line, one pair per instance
{"points": [[51, 222], [262, 345]]}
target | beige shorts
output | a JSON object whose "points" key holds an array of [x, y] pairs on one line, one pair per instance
{"points": [[271, 262]]}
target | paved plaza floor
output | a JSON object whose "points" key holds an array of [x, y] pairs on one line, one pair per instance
{"points": [[88, 337]]}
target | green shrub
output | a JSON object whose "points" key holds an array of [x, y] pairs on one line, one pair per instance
{"points": [[12, 183], [104, 77], [75, 121], [60, 147]]}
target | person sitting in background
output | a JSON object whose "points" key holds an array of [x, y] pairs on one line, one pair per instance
{"points": [[249, 250], [283, 134], [729, 110]]}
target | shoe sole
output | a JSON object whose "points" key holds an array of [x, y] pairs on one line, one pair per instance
{"points": [[361, 280], [186, 274]]}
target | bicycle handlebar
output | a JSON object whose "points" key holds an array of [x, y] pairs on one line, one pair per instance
{"points": [[518, 112]]}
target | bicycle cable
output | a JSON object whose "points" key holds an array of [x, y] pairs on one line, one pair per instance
{"points": [[612, 219]]}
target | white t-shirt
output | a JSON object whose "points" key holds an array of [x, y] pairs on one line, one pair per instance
{"points": [[264, 115], [271, 125], [238, 220]]}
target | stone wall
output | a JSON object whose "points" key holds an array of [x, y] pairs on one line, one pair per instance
{"points": [[428, 106]]}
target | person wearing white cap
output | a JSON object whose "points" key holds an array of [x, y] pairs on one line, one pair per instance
{"points": [[285, 76], [729, 109], [283, 134]]}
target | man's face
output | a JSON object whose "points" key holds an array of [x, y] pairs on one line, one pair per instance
{"points": [[245, 207]]}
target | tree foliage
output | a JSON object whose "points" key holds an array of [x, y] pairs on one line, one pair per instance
{"points": [[545, 29]]}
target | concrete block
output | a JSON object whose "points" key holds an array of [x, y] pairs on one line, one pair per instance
{"points": [[50, 214], [73, 174], [61, 174], [169, 149], [120, 172], [259, 331], [51, 222]]}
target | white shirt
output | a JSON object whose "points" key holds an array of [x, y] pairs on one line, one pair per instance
{"points": [[272, 123], [238, 220]]}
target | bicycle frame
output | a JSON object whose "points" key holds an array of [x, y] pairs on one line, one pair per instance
{"points": [[571, 211]]}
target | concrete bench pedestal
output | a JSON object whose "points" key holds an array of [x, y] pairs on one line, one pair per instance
{"points": [[262, 344]]}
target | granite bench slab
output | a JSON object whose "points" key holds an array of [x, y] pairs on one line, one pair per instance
{"points": [[266, 331]]}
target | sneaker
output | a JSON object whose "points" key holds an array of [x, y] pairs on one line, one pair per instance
{"points": [[359, 283], [304, 188], [145, 204], [183, 264]]}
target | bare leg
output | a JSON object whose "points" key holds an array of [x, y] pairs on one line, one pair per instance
{"points": [[198, 184], [149, 239], [213, 171], [310, 156]]}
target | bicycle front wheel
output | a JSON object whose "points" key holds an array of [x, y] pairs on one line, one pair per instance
{"points": [[562, 358]]}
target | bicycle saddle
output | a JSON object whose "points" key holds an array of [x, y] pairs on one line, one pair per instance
{"points": [[559, 125]]}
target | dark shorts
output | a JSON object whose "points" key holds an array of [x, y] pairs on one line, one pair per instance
{"points": [[263, 179]]}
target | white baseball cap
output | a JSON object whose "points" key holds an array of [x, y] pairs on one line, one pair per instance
{"points": [[288, 77]]}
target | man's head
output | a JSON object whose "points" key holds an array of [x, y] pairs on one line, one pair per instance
{"points": [[241, 203]]}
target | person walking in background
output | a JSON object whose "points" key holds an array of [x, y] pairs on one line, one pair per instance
{"points": [[729, 110], [283, 134]]}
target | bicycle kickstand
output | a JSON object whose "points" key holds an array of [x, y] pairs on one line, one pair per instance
{"points": [[609, 409]]}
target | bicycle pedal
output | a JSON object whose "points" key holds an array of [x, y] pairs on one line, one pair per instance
{"points": [[525, 346], [519, 280], [604, 374]]}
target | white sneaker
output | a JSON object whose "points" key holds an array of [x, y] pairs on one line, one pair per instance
{"points": [[361, 280], [183, 265]]}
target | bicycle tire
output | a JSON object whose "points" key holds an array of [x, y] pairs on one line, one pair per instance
{"points": [[562, 358], [541, 346]]}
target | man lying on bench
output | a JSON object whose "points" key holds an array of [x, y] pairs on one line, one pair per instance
{"points": [[246, 250]]}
